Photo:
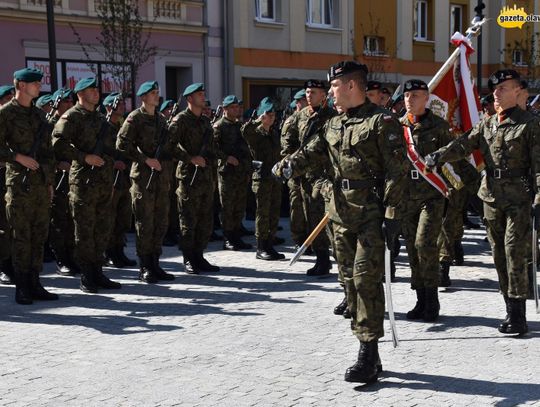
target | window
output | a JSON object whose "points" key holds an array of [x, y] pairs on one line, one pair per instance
{"points": [[265, 10], [421, 20], [320, 13], [456, 19], [373, 45], [517, 57]]}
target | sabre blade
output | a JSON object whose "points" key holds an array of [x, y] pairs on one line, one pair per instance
{"points": [[388, 288], [534, 266]]}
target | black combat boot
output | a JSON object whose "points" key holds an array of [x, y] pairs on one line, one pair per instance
{"points": [[504, 323], [322, 265], [232, 241], [88, 279], [418, 311], [103, 281], [122, 256], [38, 292], [444, 274], [23, 289], [73, 265], [458, 253], [6, 272], [366, 368], [277, 241], [63, 264], [262, 252], [432, 308], [146, 271], [342, 306], [517, 323], [240, 243], [190, 265], [203, 264], [270, 249], [112, 258], [158, 271]]}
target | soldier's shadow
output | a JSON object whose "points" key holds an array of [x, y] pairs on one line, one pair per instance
{"points": [[510, 394]]}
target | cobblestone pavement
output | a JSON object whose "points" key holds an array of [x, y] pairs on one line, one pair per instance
{"points": [[260, 333]]}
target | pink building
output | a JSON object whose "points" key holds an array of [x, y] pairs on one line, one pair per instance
{"points": [[179, 32]]}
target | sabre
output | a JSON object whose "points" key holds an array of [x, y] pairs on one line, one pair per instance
{"points": [[310, 239], [388, 288], [535, 224]]}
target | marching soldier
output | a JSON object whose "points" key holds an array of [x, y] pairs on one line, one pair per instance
{"points": [[510, 144], [142, 136], [264, 145], [374, 93], [191, 135], [365, 152], [83, 137], [45, 103], [62, 230], [121, 199], [234, 173], [25, 146], [6, 265]]}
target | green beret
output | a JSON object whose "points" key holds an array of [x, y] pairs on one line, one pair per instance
{"points": [[67, 94], [415, 84], [28, 75], [109, 100], [229, 100], [344, 68], [194, 87], [501, 76], [147, 87], [292, 105], [44, 100], [266, 106], [165, 105], [6, 90], [300, 94], [85, 84]]}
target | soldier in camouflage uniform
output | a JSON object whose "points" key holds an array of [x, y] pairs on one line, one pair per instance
{"points": [[83, 137], [143, 132], [6, 265], [121, 199], [510, 144], [289, 144], [264, 144], [192, 142], [234, 173], [61, 229], [26, 149], [365, 154]]}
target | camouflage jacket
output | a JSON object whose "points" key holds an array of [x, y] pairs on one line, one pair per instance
{"points": [[192, 135], [264, 146], [19, 128], [363, 146], [229, 142], [75, 136], [290, 139], [138, 140], [511, 151]]}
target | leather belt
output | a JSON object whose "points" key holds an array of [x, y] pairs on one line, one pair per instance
{"points": [[348, 184], [499, 173]]}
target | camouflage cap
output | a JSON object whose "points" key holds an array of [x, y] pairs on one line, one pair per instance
{"points": [[415, 84], [85, 84], [315, 83], [167, 104], [229, 100], [373, 85], [266, 106], [345, 67], [501, 76], [28, 75], [194, 87], [109, 100], [44, 100], [147, 87], [6, 90]]}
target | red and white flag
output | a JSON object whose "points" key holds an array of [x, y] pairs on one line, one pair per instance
{"points": [[453, 94]]}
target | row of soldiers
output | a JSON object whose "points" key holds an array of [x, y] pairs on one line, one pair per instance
{"points": [[384, 176]]}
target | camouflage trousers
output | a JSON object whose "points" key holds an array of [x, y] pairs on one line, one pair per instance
{"points": [[61, 229], [360, 256], [151, 210], [195, 212], [268, 196], [421, 226], [91, 211], [508, 231], [5, 234], [121, 213], [233, 197], [28, 218], [299, 230], [452, 225], [314, 209]]}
